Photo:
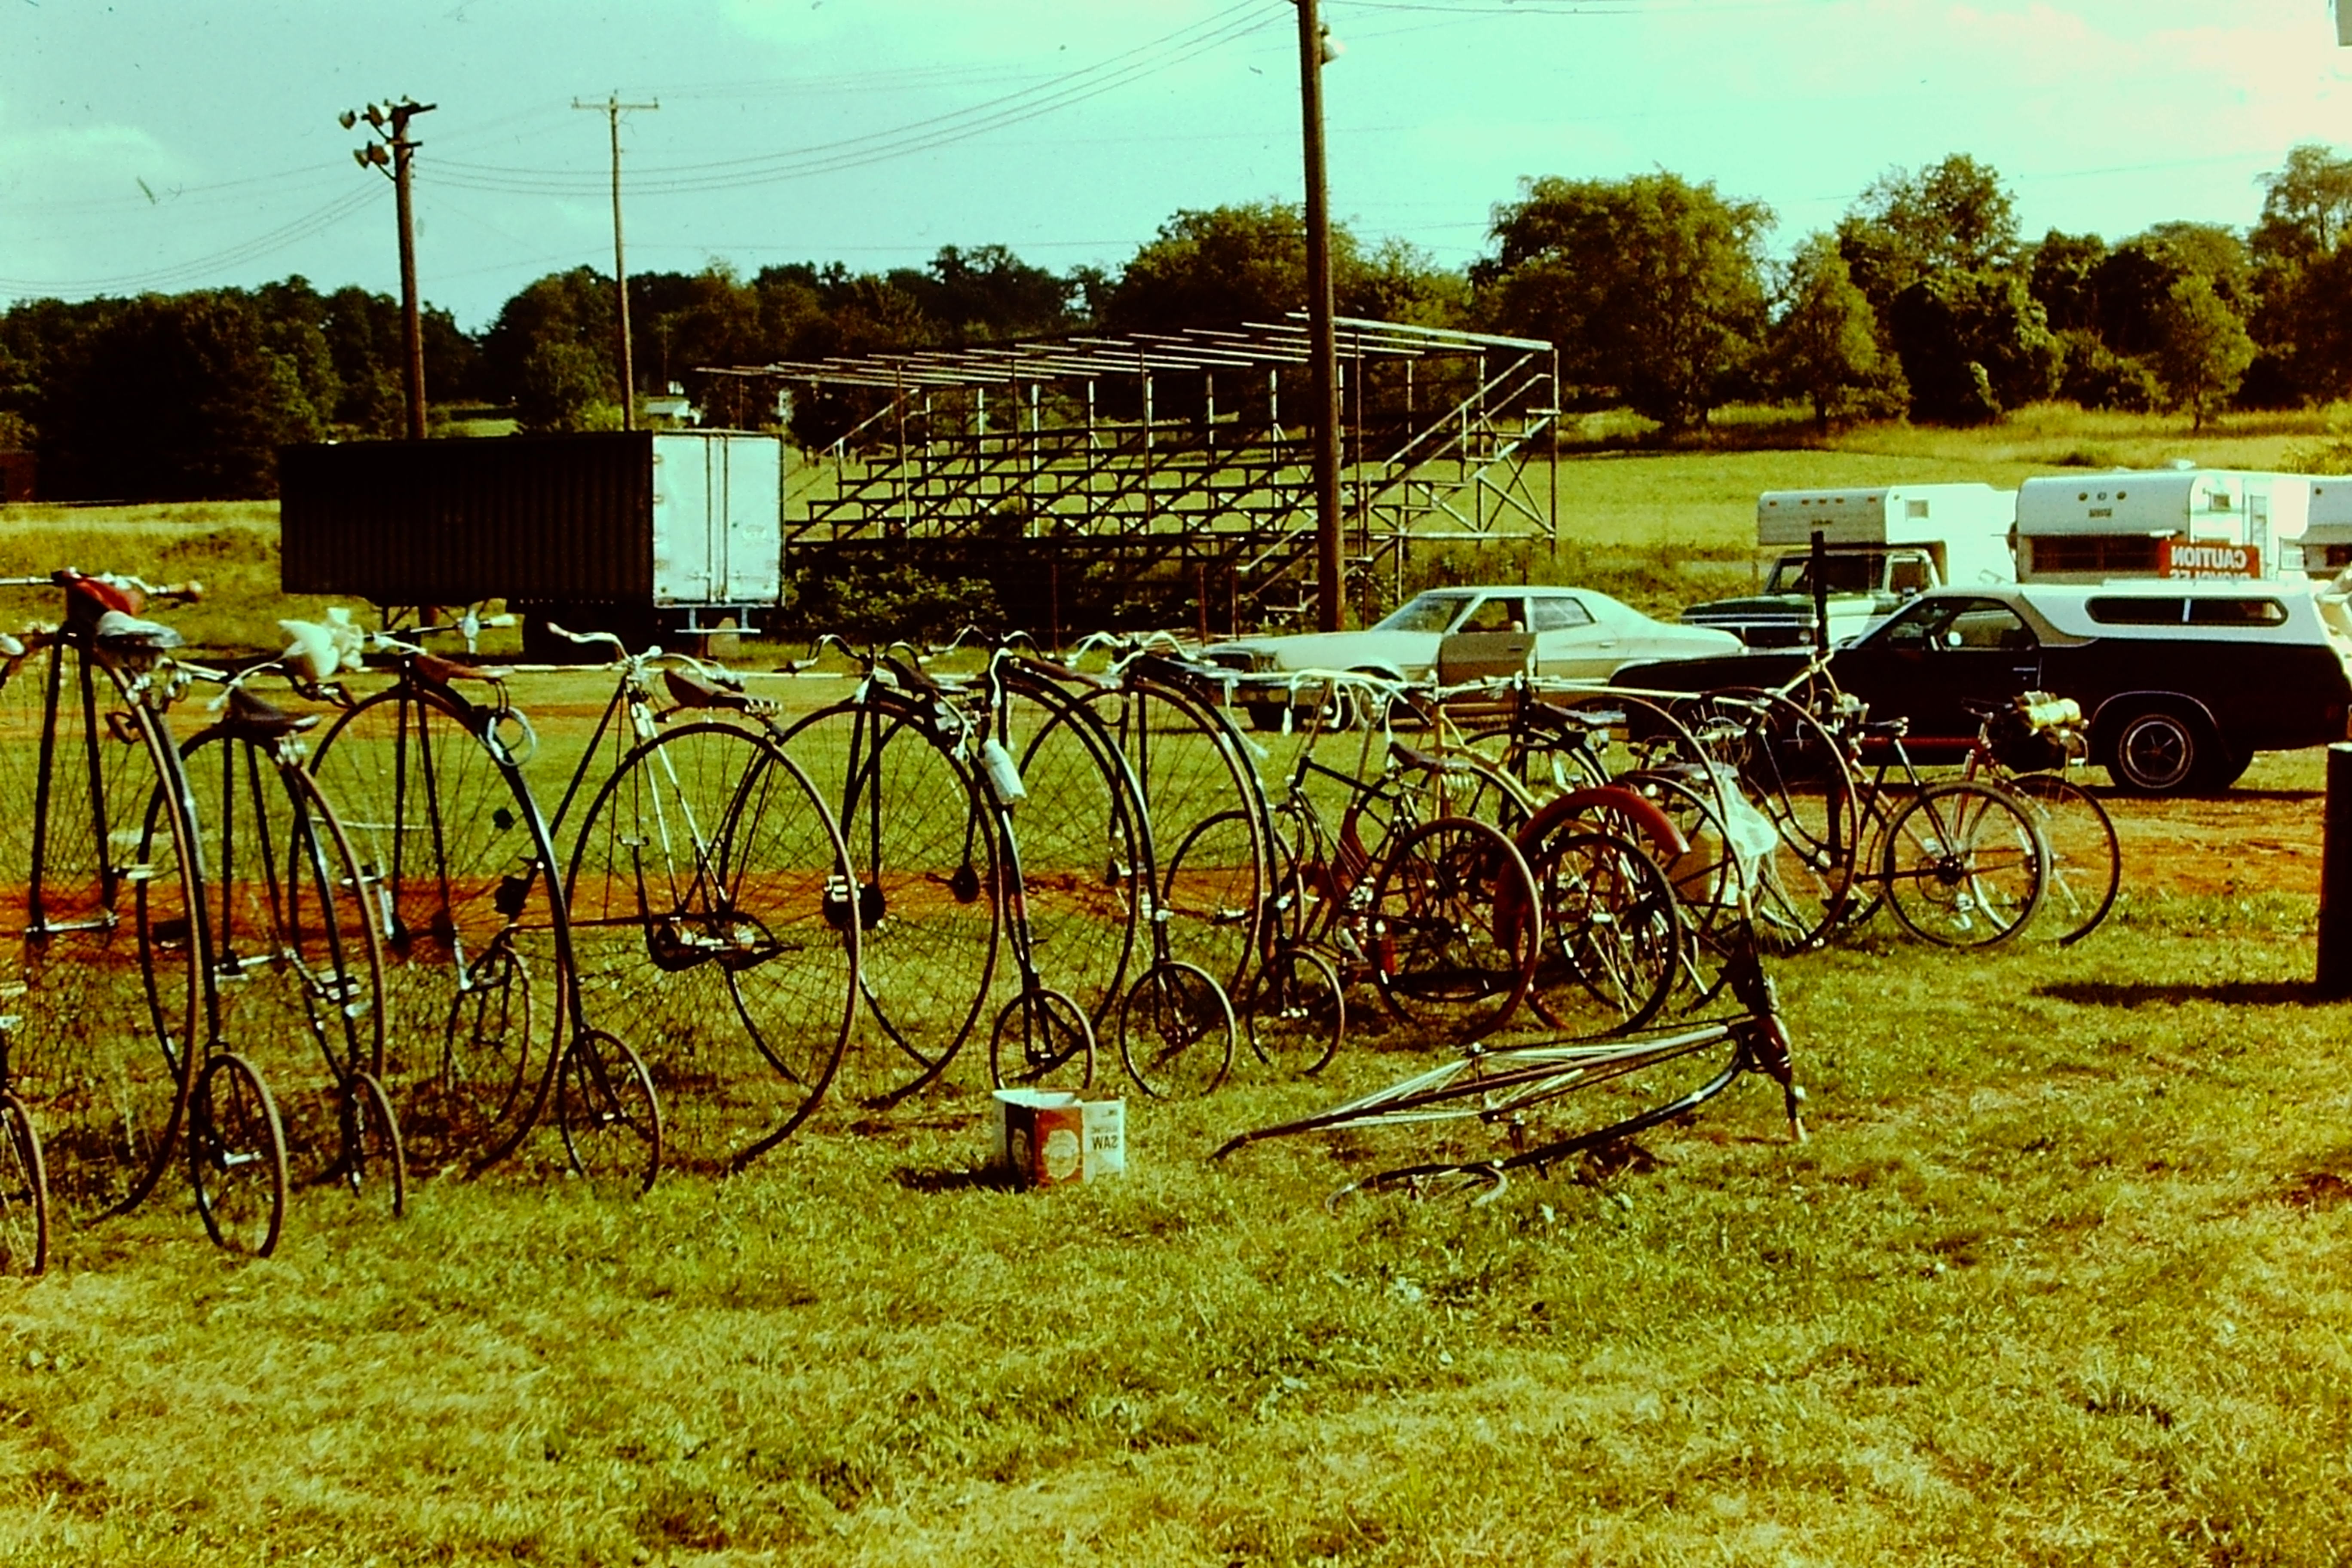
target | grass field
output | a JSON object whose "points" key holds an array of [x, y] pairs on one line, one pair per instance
{"points": [[2058, 1278]]}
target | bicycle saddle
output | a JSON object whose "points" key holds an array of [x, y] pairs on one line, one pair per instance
{"points": [[689, 691], [1413, 757], [118, 632], [251, 718]]}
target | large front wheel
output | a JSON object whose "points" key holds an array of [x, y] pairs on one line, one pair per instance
{"points": [[712, 917], [2085, 862], [1964, 864], [23, 1192]]}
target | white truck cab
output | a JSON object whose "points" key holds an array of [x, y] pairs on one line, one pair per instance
{"points": [[1883, 545]]}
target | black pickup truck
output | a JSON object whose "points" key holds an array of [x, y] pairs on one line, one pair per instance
{"points": [[2182, 682]]}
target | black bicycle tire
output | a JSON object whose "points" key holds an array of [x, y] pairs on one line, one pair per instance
{"points": [[374, 1165], [111, 1019], [2083, 885], [286, 913], [23, 1192], [1940, 803], [735, 960], [1050, 1068], [1282, 1005], [1595, 886], [924, 977], [460, 862], [1422, 907], [608, 1112], [1186, 1032], [211, 1161]]}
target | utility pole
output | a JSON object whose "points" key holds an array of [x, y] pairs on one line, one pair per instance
{"points": [[390, 123], [613, 109], [1315, 48]]}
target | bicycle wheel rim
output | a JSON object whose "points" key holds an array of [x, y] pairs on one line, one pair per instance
{"points": [[113, 988], [290, 940], [457, 862], [1087, 862], [1296, 1011], [1457, 927], [1964, 867], [1042, 1040], [1190, 771], [237, 1156], [1614, 940], [23, 1192], [927, 904], [609, 1114], [2085, 858], [711, 913], [1176, 1032]]}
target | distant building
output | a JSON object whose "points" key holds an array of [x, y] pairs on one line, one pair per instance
{"points": [[15, 475]]}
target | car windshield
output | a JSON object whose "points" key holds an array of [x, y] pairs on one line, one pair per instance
{"points": [[1425, 612]]}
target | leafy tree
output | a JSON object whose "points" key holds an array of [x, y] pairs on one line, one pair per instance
{"points": [[1219, 265], [987, 294], [1651, 284], [2203, 350], [173, 398], [566, 387], [2096, 376], [1824, 345], [2058, 279], [1401, 282], [1973, 343], [2306, 205], [574, 308], [1953, 215]]}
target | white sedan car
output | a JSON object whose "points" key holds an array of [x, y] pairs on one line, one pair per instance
{"points": [[1566, 634]]}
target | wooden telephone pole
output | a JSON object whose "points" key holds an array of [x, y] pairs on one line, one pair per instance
{"points": [[613, 109], [1330, 567], [390, 123]]}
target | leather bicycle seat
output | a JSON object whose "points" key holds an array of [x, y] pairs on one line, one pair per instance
{"points": [[690, 690], [251, 718], [120, 633]]}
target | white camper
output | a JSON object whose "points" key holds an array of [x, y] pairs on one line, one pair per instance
{"points": [[2327, 542], [1885, 544], [2171, 522]]}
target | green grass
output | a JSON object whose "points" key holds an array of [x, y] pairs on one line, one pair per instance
{"points": [[2055, 1280]]}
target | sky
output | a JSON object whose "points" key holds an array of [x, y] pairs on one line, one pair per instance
{"points": [[172, 145]]}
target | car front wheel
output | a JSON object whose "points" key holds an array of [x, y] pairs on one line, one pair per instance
{"points": [[2157, 752]]}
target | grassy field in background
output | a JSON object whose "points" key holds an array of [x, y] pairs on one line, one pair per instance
{"points": [[1660, 527], [2060, 1278]]}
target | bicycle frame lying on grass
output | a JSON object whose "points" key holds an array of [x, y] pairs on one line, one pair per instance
{"points": [[1521, 1087]]}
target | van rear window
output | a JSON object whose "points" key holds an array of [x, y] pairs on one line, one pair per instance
{"points": [[2136, 611], [2157, 610], [2236, 612]]}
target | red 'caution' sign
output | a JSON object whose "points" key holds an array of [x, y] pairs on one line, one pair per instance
{"points": [[2208, 558]]}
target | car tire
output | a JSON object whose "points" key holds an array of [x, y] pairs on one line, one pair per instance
{"points": [[1264, 715], [2229, 763], [2157, 751]]}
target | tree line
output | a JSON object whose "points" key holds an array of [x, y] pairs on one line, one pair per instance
{"points": [[1923, 301]]}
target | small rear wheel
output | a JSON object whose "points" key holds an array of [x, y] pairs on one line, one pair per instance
{"points": [[609, 1114], [23, 1192], [236, 1154], [1176, 1032], [1042, 1040], [1296, 1010], [373, 1167]]}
